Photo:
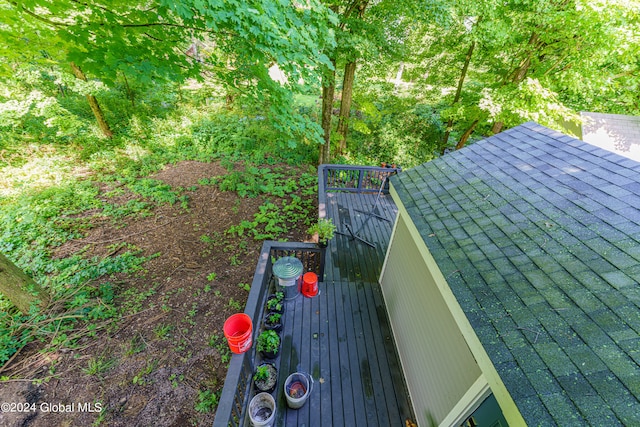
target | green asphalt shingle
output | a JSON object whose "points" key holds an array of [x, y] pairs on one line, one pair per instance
{"points": [[538, 236]]}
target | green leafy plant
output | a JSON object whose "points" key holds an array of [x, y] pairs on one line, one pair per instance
{"points": [[139, 378], [162, 331], [98, 366], [262, 373], [324, 228], [220, 344], [268, 341], [234, 304], [207, 401], [274, 318], [136, 345], [274, 304]]}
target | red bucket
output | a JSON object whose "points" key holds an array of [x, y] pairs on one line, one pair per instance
{"points": [[310, 285], [237, 330]]}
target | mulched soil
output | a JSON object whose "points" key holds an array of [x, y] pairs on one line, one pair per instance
{"points": [[156, 377]]}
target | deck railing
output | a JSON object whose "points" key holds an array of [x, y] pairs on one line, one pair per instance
{"points": [[237, 388], [350, 178]]}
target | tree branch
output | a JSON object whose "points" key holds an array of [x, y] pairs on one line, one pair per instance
{"points": [[38, 17], [95, 5]]}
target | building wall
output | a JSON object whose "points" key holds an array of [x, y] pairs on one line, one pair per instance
{"points": [[613, 132], [438, 365]]}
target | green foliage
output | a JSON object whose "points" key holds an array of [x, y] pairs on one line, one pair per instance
{"points": [[141, 377], [121, 43], [324, 228], [235, 305], [254, 181], [274, 304], [98, 366], [394, 130], [272, 219], [32, 225], [220, 344], [268, 341], [274, 318], [262, 373], [163, 331], [532, 61], [153, 189], [207, 401]]}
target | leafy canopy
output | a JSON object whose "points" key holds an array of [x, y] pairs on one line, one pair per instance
{"points": [[232, 42]]}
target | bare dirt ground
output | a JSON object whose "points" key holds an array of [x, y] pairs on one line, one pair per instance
{"points": [[167, 346]]}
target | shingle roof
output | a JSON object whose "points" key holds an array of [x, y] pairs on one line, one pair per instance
{"points": [[538, 236]]}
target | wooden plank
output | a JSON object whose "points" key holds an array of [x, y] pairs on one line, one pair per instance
{"points": [[304, 350], [315, 360], [381, 370], [393, 367], [368, 269], [287, 334], [344, 339], [382, 390], [337, 410], [352, 324], [300, 335], [324, 382], [369, 409], [349, 387]]}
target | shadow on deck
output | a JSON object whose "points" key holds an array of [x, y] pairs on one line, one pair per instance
{"points": [[342, 336]]}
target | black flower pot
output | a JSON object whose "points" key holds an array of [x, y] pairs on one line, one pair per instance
{"points": [[268, 344], [271, 323], [268, 384], [270, 354], [273, 305]]}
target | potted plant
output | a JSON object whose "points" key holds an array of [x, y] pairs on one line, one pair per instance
{"points": [[325, 229], [272, 321], [269, 344], [274, 302], [265, 377]]}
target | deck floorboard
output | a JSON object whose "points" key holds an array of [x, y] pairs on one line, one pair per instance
{"points": [[342, 337]]}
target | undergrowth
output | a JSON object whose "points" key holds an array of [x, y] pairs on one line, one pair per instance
{"points": [[90, 179], [283, 207]]}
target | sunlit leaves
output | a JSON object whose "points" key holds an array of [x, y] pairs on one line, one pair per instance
{"points": [[234, 42]]}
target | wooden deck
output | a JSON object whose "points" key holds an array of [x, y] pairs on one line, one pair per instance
{"points": [[341, 337], [350, 259]]}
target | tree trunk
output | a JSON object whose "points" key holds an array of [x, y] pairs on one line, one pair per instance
{"points": [[345, 104], [463, 75], [130, 93], [93, 103], [328, 91], [19, 288], [497, 127], [465, 136], [520, 72]]}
